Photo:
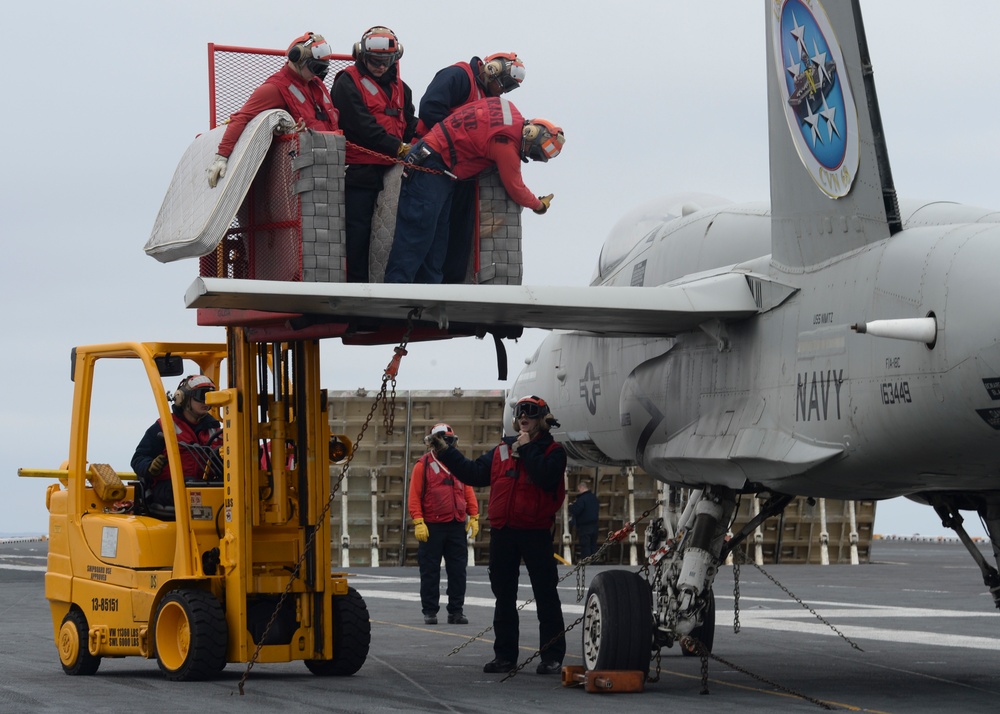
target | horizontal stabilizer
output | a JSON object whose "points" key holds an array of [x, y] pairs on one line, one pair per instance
{"points": [[666, 310]]}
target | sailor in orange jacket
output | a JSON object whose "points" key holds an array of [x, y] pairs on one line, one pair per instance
{"points": [[438, 504]]}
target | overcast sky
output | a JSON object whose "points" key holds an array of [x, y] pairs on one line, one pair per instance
{"points": [[656, 97]]}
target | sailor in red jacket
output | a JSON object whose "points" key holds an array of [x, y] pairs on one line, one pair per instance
{"points": [[297, 88], [451, 88], [199, 435], [443, 510], [526, 476], [482, 134]]}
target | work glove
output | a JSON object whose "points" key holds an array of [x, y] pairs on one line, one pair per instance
{"points": [[472, 526], [438, 443], [217, 170], [420, 530], [156, 465], [285, 126], [404, 149], [546, 200]]}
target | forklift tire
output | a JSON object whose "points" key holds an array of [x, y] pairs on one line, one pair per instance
{"points": [[352, 634], [74, 652], [190, 635]]}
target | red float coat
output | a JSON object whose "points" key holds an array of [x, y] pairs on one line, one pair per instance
{"points": [[387, 110], [284, 89], [437, 496], [481, 134], [186, 434], [515, 501]]}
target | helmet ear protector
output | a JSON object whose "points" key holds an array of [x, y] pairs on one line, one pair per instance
{"points": [[505, 69], [313, 51], [379, 45], [309, 45], [542, 140], [445, 431], [192, 387]]}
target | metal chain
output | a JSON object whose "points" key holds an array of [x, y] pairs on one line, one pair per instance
{"points": [[613, 537], [792, 595], [393, 159], [389, 373], [693, 644], [736, 597]]}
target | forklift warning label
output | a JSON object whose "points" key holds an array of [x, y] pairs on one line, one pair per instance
{"points": [[98, 572], [123, 637]]}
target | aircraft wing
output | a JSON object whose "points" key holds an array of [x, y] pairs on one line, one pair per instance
{"points": [[658, 311]]}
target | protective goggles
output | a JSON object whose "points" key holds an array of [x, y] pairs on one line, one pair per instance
{"points": [[376, 61], [530, 410], [198, 395]]}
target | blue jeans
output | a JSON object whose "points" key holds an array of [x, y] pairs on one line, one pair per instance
{"points": [[420, 244]]}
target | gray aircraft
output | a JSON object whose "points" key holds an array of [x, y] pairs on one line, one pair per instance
{"points": [[836, 342]]}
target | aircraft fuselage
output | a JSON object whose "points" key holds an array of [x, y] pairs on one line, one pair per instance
{"points": [[792, 399]]}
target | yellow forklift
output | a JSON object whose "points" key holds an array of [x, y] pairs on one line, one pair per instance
{"points": [[241, 570]]}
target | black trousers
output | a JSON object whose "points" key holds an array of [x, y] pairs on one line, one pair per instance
{"points": [[448, 540], [461, 231], [587, 535], [508, 547], [359, 207]]}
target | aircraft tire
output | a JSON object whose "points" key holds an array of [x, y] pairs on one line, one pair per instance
{"points": [[618, 622], [190, 635], [74, 654], [705, 632], [352, 635]]}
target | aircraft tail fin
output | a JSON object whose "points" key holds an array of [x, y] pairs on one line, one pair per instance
{"points": [[831, 186]]}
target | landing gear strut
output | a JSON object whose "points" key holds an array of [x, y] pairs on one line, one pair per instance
{"points": [[990, 511]]}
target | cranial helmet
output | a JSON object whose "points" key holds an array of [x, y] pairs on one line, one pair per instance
{"points": [[541, 140], [313, 51], [446, 431], [379, 45], [193, 387], [505, 69]]}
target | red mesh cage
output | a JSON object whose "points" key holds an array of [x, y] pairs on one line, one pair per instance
{"points": [[234, 72], [264, 241]]}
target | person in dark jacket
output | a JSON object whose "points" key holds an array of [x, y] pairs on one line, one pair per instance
{"points": [[199, 435], [583, 513], [451, 88], [526, 476], [378, 119]]}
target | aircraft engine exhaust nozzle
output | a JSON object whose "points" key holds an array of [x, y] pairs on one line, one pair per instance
{"points": [[913, 329]]}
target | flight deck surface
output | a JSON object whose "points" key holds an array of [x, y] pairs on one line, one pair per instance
{"points": [[926, 625]]}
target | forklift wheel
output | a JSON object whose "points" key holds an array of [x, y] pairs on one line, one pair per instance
{"points": [[73, 649], [190, 635], [352, 634]]}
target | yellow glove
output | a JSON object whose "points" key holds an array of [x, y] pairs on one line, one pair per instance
{"points": [[403, 150], [546, 200], [156, 465], [420, 530], [472, 526]]}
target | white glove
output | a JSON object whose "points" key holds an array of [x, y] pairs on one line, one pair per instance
{"points": [[217, 170]]}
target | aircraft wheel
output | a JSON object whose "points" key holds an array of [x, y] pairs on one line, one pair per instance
{"points": [[74, 653], [352, 634], [190, 635], [618, 622], [705, 632]]}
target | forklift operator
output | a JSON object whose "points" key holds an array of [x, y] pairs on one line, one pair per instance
{"points": [[198, 433]]}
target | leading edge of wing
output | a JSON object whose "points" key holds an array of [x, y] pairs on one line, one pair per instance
{"points": [[664, 310]]}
